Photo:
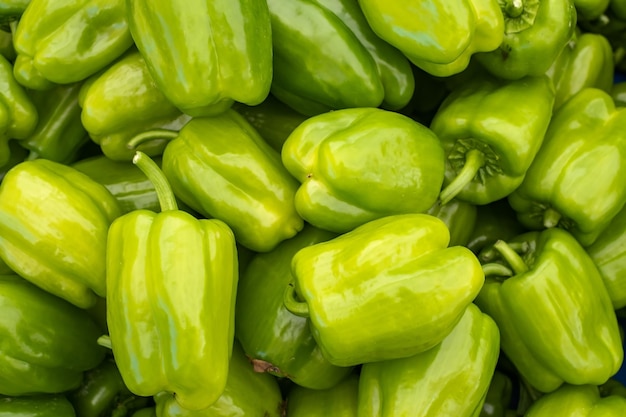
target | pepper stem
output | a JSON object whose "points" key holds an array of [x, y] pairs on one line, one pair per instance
{"points": [[105, 341], [499, 270], [296, 307], [167, 200], [513, 258], [474, 160], [514, 8], [154, 134], [551, 218]]}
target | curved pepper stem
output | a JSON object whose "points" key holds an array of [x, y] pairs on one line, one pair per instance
{"points": [[295, 306], [494, 269], [551, 218], [474, 160], [514, 8], [154, 134], [513, 258], [105, 341], [167, 200]]}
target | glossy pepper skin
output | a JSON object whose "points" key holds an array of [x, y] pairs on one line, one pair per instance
{"points": [[314, 41], [460, 218], [222, 50], [55, 405], [535, 32], [577, 401], [341, 400], [247, 393], [586, 61], [490, 131], [360, 288], [249, 190], [499, 395], [357, 165], [451, 379], [66, 41], [585, 136], [555, 289], [12, 9], [438, 38], [53, 229], [124, 101], [166, 336], [590, 9], [47, 342], [276, 341]]}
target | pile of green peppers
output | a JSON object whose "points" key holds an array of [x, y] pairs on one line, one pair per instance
{"points": [[306, 208]]}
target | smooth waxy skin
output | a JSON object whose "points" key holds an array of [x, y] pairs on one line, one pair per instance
{"points": [[361, 288], [357, 165], [505, 120], [577, 401], [53, 229], [441, 38], [451, 379], [222, 168], [460, 218], [561, 295], [62, 41], [277, 341], [341, 400], [47, 343], [166, 335], [125, 101], [36, 406], [326, 57], [576, 179], [205, 54]]}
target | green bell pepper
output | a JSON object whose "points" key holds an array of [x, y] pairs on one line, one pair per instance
{"points": [[491, 130], [577, 401], [590, 9], [164, 336], [222, 168], [499, 396], [53, 229], [360, 289], [340, 400], [17, 154], [618, 9], [12, 9], [618, 93], [357, 165], [576, 179], [535, 32], [247, 393], [145, 412], [36, 406], [440, 37], [47, 343], [204, 54], [124, 101], [451, 379], [586, 61], [6, 45], [275, 340], [460, 218], [494, 221], [326, 57], [66, 41], [555, 316]]}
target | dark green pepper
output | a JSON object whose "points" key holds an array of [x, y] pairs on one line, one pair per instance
{"points": [[618, 92], [460, 218], [590, 9], [499, 396], [37, 406], [6, 45], [577, 401], [341, 400], [47, 343], [12, 9], [494, 221]]}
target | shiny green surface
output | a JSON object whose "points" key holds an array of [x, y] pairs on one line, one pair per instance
{"points": [[13, 8], [362, 287], [451, 379], [505, 121], [357, 165], [555, 317], [499, 395], [590, 9], [36, 406], [618, 92], [222, 168], [277, 341], [578, 401], [65, 41], [205, 54], [577, 175], [341, 400], [439, 38], [460, 218], [47, 343], [53, 229]]}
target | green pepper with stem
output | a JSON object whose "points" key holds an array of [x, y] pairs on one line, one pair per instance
{"points": [[578, 401]]}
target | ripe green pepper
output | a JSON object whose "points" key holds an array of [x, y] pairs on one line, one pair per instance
{"points": [[491, 130], [340, 400], [53, 229], [124, 101], [535, 32], [440, 37], [6, 45], [460, 218], [66, 41], [166, 336], [247, 393], [577, 401], [499, 395], [276, 341], [357, 165], [55, 405], [494, 221], [576, 179], [47, 343], [360, 289], [204, 54], [12, 9], [590, 9], [326, 57], [555, 290], [222, 168], [451, 379]]}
